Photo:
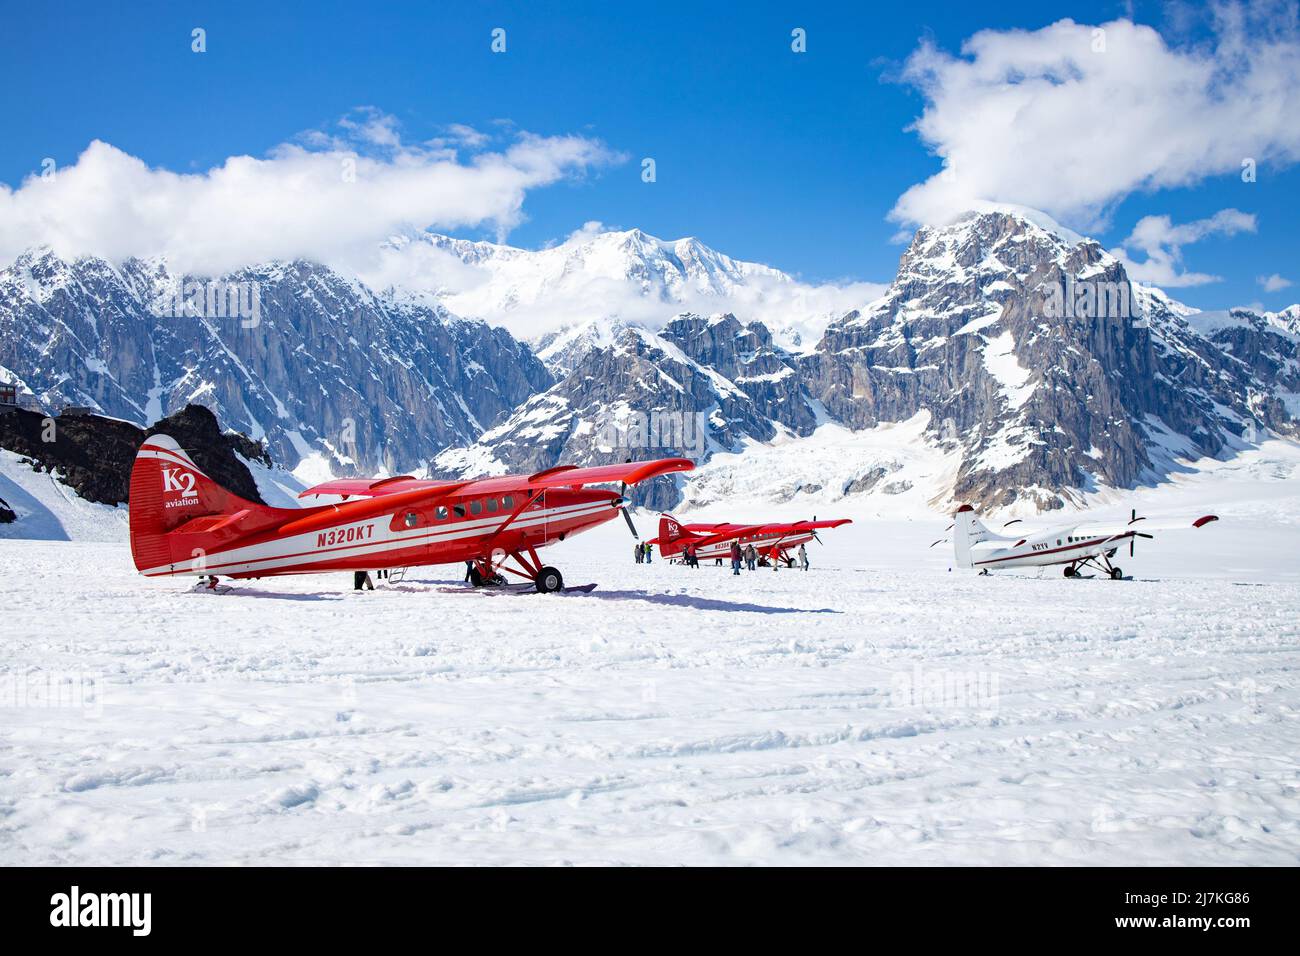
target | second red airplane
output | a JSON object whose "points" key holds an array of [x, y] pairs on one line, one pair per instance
{"points": [[773, 541]]}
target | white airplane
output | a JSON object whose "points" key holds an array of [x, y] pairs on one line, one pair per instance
{"points": [[1075, 546]]}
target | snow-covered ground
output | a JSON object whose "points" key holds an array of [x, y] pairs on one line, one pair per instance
{"points": [[879, 709], [50, 510]]}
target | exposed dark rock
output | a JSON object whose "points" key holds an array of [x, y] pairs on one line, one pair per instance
{"points": [[94, 455]]}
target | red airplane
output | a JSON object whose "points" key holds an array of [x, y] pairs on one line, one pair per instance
{"points": [[773, 541], [184, 523]]}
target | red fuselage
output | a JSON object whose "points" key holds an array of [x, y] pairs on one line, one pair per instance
{"points": [[454, 530]]}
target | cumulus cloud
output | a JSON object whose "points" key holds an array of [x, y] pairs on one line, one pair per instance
{"points": [[1274, 283], [1072, 118], [1161, 244], [329, 196]]}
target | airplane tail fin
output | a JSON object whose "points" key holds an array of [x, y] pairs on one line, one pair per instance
{"points": [[967, 531], [673, 538], [170, 492]]}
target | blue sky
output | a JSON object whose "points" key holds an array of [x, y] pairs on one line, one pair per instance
{"points": [[795, 160]]}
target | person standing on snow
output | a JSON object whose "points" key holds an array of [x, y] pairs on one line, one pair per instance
{"points": [[803, 557], [751, 557], [735, 557], [649, 551]]}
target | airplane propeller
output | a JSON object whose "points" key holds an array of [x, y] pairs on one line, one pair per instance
{"points": [[1134, 519], [622, 493], [630, 526]]}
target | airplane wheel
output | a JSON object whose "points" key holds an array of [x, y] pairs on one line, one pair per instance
{"points": [[548, 580], [475, 577], [1116, 574], [1070, 572]]}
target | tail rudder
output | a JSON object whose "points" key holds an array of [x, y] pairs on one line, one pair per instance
{"points": [[168, 491], [673, 536], [967, 530]]}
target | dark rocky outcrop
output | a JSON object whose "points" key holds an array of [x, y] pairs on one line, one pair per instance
{"points": [[94, 455]]}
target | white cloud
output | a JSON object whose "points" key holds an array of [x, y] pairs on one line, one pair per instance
{"points": [[1161, 243], [1274, 283], [330, 198], [1055, 120]]}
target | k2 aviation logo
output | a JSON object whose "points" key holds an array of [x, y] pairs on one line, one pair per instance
{"points": [[179, 482], [103, 909]]}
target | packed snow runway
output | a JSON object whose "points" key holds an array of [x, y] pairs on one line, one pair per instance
{"points": [[874, 710]]}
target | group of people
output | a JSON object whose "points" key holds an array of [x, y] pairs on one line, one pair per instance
{"points": [[643, 552], [747, 557]]}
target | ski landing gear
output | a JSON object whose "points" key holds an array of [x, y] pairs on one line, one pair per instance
{"points": [[210, 585], [545, 578], [1099, 563]]}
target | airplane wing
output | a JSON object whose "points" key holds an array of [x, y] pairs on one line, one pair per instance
{"points": [[628, 473], [561, 476], [372, 487], [1142, 526], [716, 534], [814, 525]]}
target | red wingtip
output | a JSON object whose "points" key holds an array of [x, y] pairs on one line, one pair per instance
{"points": [[1204, 520], [964, 508]]}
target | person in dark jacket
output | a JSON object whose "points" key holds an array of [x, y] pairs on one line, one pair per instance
{"points": [[751, 557], [735, 557]]}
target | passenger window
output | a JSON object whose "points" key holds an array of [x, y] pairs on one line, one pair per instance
{"points": [[508, 503], [441, 513], [459, 509], [491, 505], [412, 519], [475, 507]]}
